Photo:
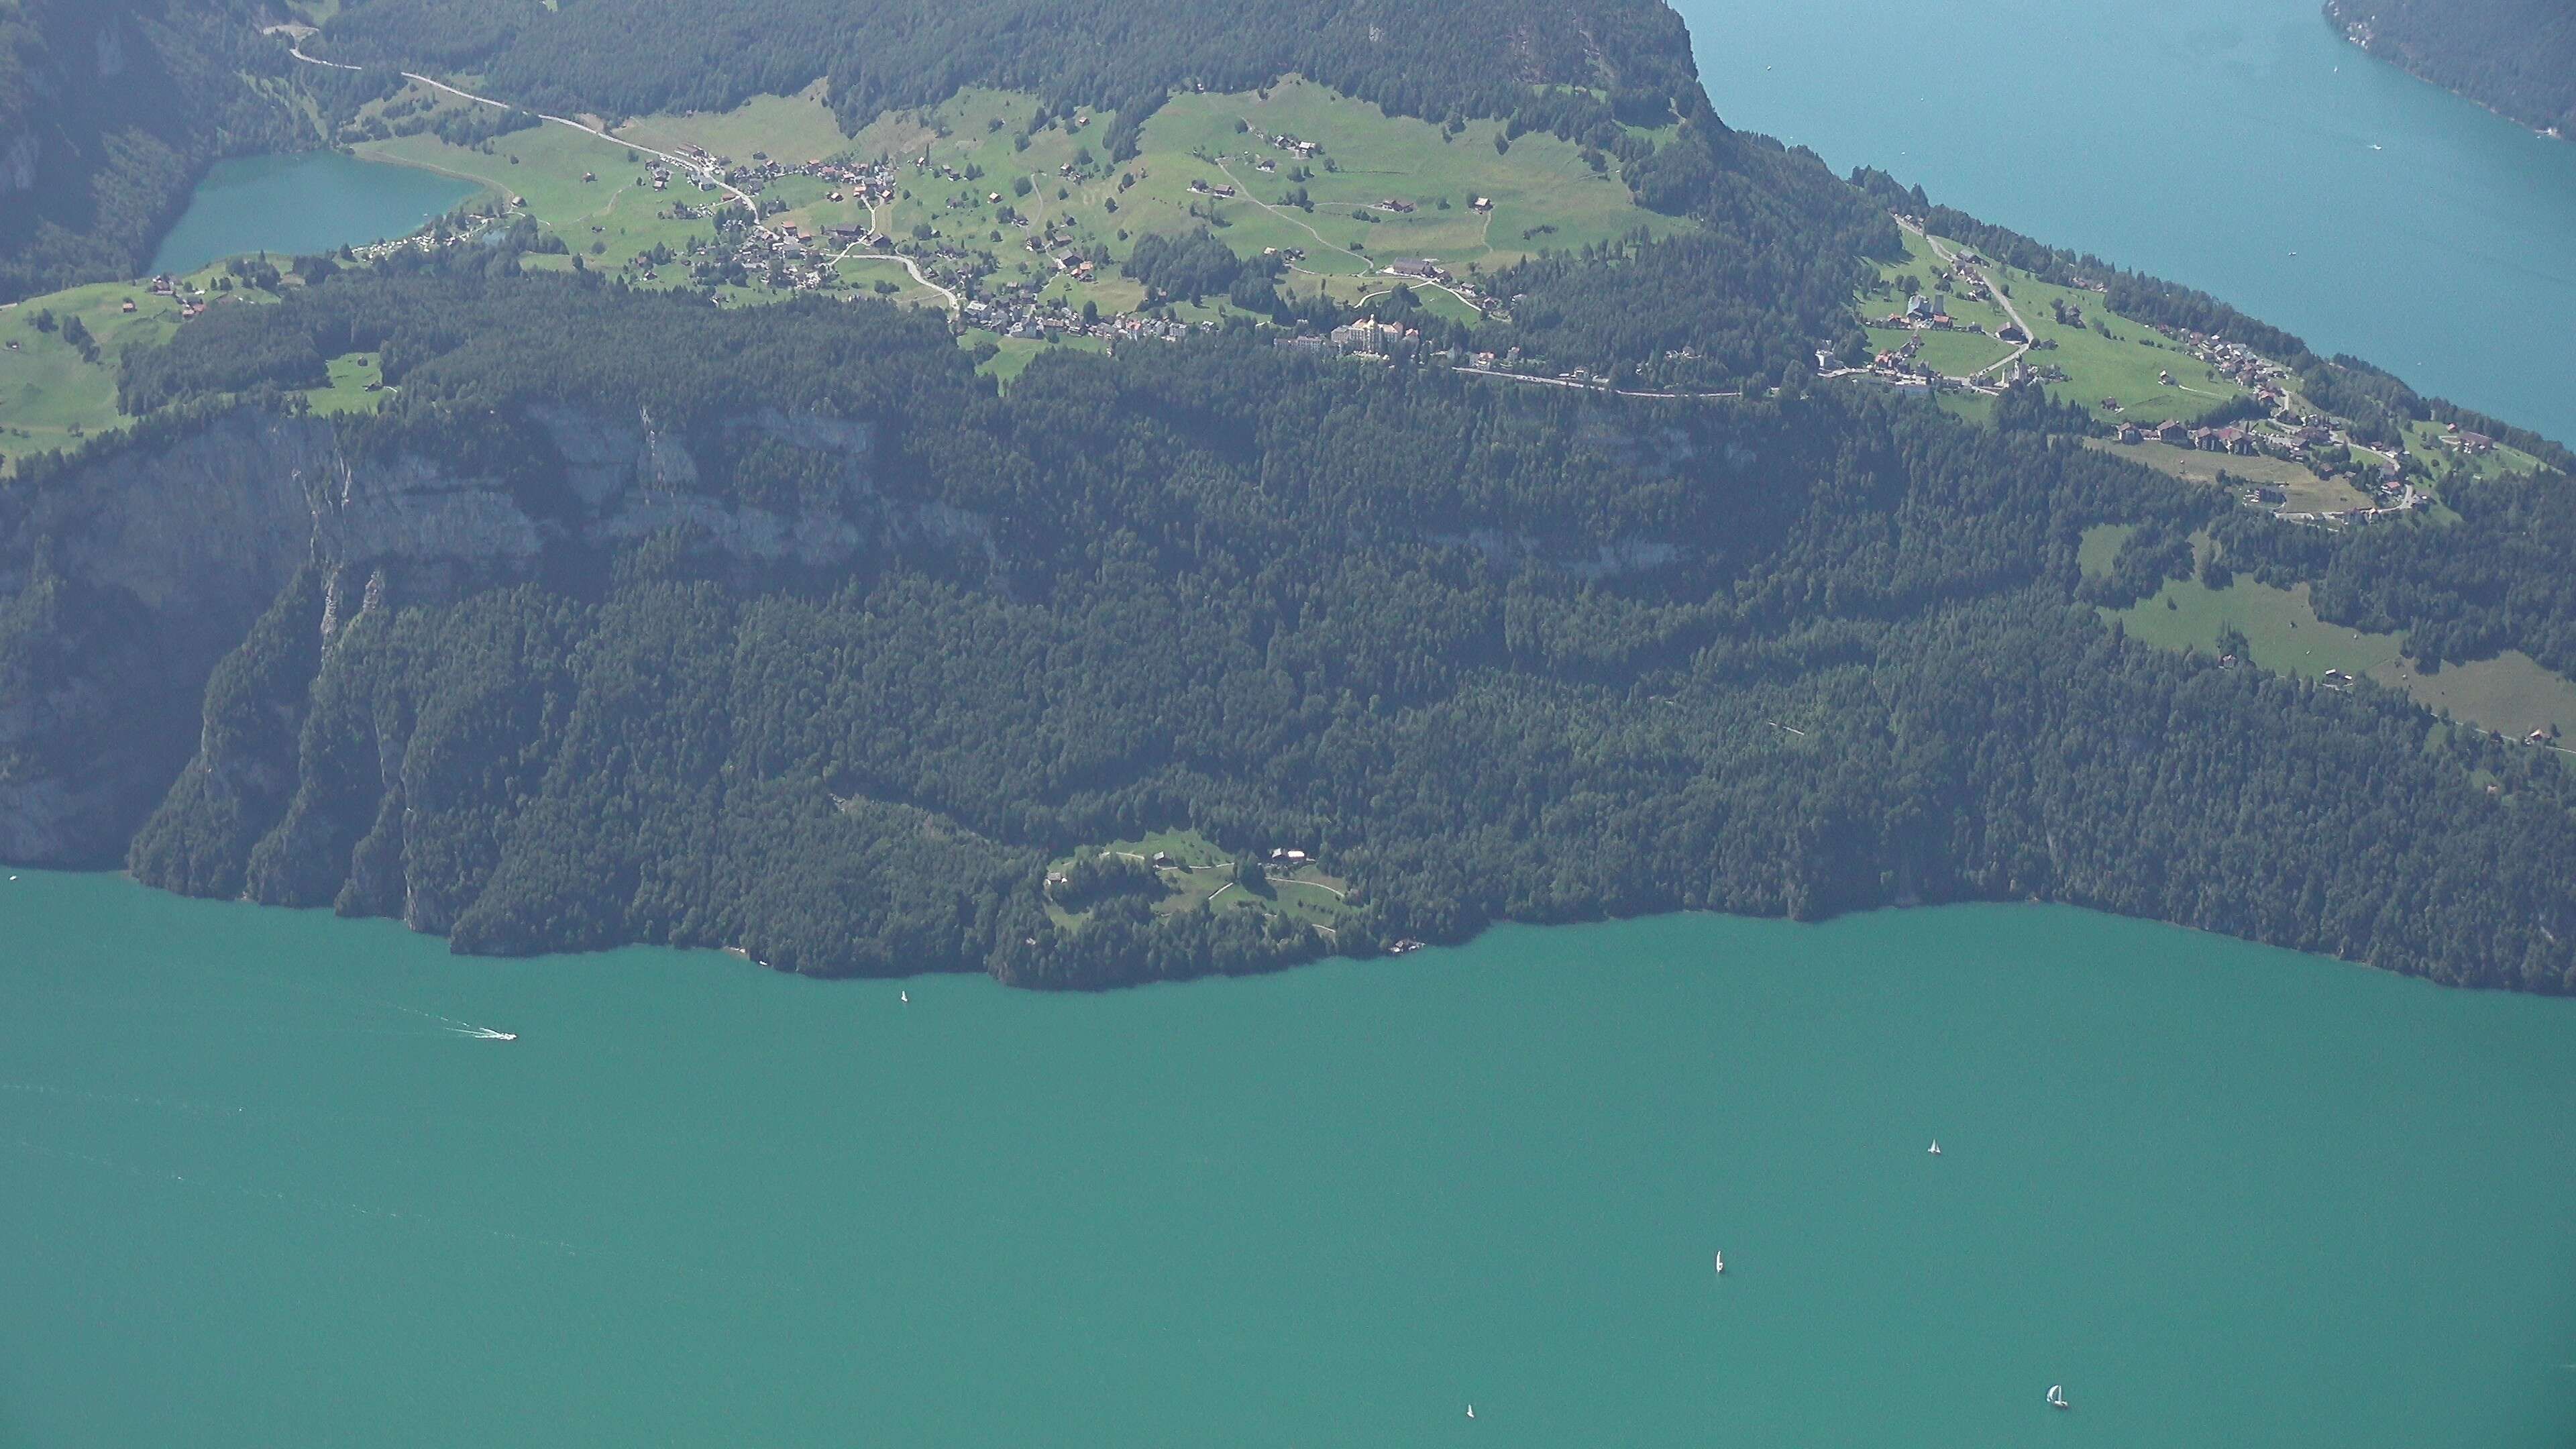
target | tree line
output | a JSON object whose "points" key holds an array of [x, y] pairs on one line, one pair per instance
{"points": [[1492, 652], [1437, 59]]}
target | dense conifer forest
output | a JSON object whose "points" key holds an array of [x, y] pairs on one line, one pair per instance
{"points": [[632, 617], [1492, 652], [1433, 58], [109, 112], [2516, 57]]}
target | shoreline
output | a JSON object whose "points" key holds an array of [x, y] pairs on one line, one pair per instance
{"points": [[1481, 933], [2359, 35]]}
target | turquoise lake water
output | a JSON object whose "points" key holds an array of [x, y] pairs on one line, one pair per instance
{"points": [[260, 1194], [2204, 141], [300, 204]]}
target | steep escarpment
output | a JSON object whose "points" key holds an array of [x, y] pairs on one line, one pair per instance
{"points": [[635, 619], [254, 539], [131, 577]]}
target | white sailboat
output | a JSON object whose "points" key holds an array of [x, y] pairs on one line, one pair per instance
{"points": [[905, 997], [1471, 1411], [2057, 1397], [1935, 1148], [1721, 1262]]}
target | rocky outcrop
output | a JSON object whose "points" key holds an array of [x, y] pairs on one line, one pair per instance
{"points": [[18, 163], [126, 581]]}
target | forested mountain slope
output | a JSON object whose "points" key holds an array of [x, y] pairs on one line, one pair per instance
{"points": [[2517, 57], [632, 619], [109, 111], [628, 616], [1430, 58]]}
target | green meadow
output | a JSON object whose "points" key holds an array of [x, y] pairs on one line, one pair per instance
{"points": [[2511, 694], [2305, 491], [2124, 366], [1543, 196], [2425, 438], [1202, 877], [791, 129], [53, 397]]}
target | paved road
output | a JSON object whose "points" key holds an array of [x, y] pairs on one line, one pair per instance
{"points": [[1590, 386], [685, 163], [2002, 300]]}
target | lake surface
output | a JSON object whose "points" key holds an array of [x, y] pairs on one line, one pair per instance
{"points": [[259, 1193], [2204, 141], [301, 204]]}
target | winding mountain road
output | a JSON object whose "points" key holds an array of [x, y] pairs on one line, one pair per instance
{"points": [[2002, 299], [685, 163]]}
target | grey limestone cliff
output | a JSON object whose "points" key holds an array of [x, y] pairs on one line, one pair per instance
{"points": [[127, 579]]}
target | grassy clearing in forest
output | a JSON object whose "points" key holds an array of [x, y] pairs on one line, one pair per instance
{"points": [[1203, 876], [51, 395], [2306, 492], [2281, 629], [2512, 694], [2100, 548]]}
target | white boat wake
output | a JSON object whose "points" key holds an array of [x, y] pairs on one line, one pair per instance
{"points": [[464, 1028]]}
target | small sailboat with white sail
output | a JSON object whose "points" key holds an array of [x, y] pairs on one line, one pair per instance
{"points": [[2057, 1397], [1721, 1262], [1935, 1149]]}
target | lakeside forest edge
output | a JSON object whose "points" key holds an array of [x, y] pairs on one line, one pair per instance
{"points": [[785, 631]]}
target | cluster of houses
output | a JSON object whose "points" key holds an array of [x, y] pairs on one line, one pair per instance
{"points": [[2238, 441], [424, 242], [168, 286], [2294, 440], [2232, 361], [1371, 338], [1424, 269], [1919, 311], [1302, 150], [1058, 248], [1365, 339], [870, 184], [1036, 319]]}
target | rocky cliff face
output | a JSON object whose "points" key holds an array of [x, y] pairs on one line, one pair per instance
{"points": [[127, 581], [18, 163]]}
